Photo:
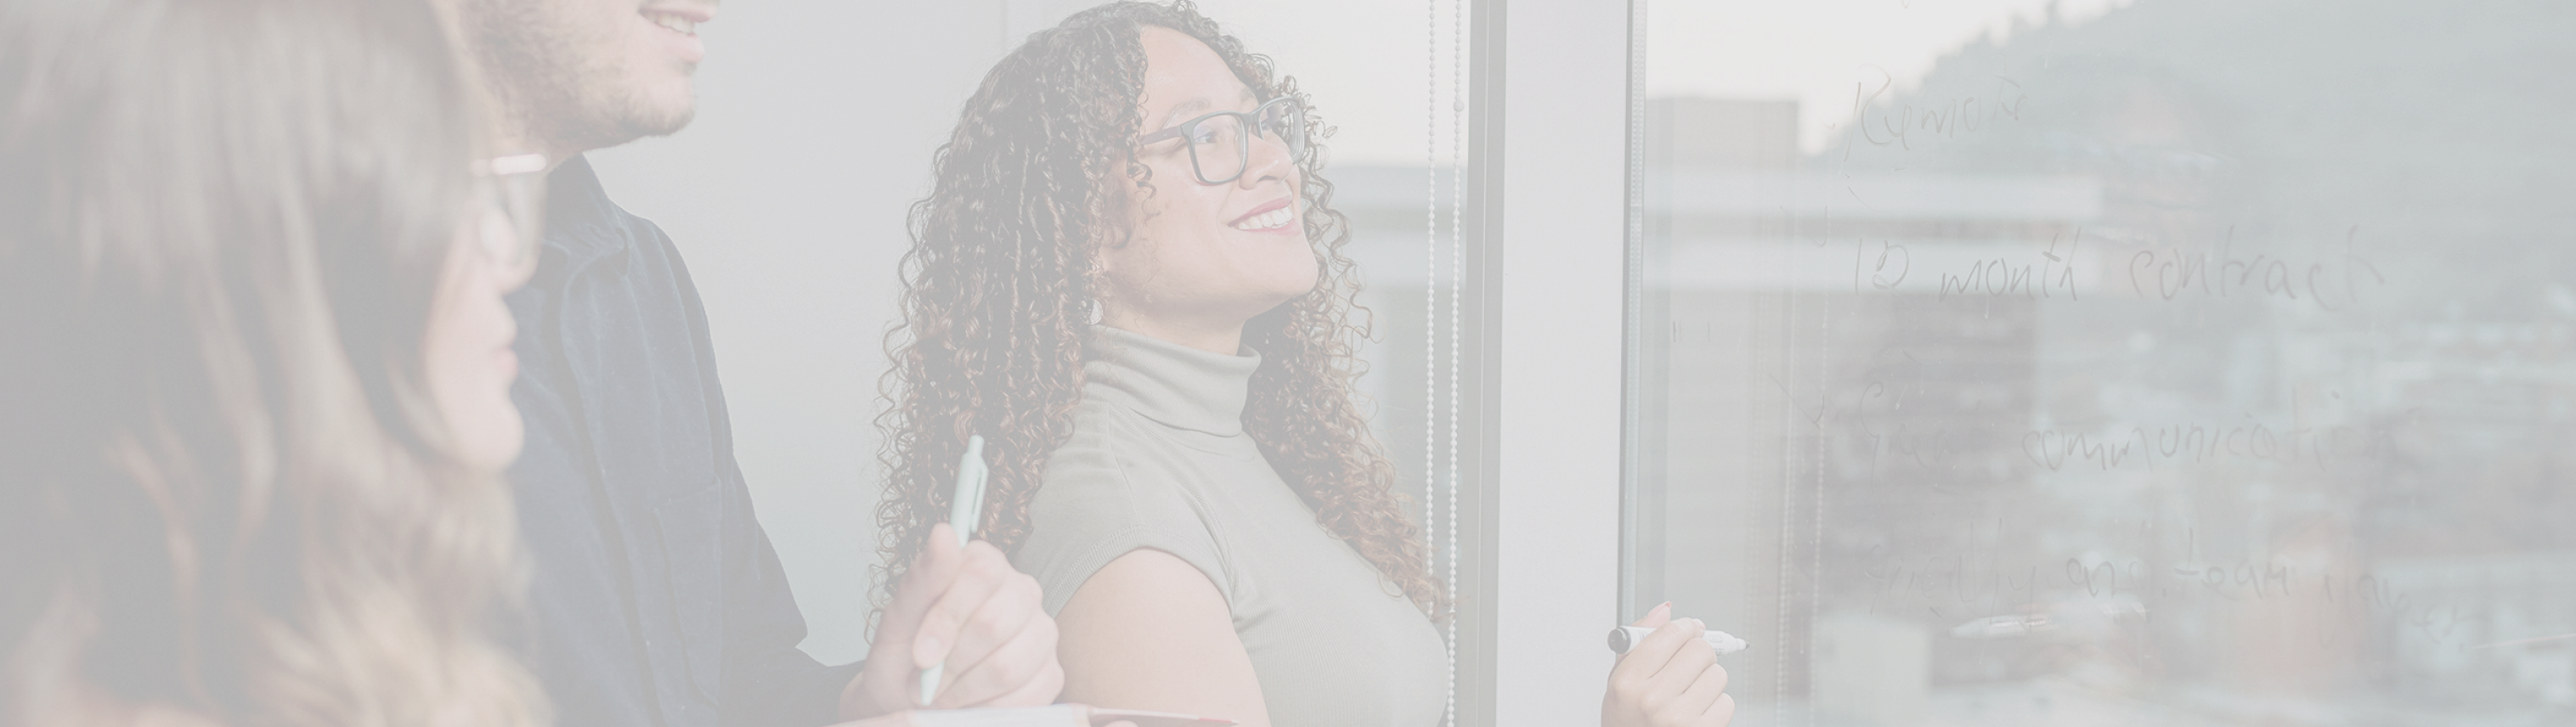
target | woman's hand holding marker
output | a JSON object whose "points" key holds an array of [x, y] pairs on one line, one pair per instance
{"points": [[1670, 680]]}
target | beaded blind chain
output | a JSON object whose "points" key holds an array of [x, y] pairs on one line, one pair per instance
{"points": [[1440, 483]]}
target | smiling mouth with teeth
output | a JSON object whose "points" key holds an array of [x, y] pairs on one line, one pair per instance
{"points": [[674, 22], [1270, 220]]}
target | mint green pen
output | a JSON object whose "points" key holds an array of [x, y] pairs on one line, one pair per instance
{"points": [[965, 508]]}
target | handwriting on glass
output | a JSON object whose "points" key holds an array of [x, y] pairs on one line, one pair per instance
{"points": [[1870, 418], [1980, 577], [2174, 273], [1904, 124]]}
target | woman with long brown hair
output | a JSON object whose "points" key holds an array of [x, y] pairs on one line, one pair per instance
{"points": [[254, 369], [1129, 280]]}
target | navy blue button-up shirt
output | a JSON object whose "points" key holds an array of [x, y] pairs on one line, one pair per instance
{"points": [[657, 599]]}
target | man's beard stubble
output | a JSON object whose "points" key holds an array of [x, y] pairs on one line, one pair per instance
{"points": [[557, 82]]}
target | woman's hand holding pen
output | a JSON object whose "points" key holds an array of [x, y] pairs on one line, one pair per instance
{"points": [[1670, 680], [966, 607]]}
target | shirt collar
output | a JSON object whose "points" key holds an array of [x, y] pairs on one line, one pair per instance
{"points": [[582, 226], [1169, 383]]}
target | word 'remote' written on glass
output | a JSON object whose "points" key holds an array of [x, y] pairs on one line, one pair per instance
{"points": [[2172, 362]]}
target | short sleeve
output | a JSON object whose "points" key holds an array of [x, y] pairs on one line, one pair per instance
{"points": [[1093, 507]]}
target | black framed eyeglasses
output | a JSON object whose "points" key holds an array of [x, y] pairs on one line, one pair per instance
{"points": [[1220, 149], [510, 193]]}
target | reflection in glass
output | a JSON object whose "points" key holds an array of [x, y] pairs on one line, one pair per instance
{"points": [[2189, 362]]}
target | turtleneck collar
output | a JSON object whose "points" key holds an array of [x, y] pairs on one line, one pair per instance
{"points": [[1172, 384]]}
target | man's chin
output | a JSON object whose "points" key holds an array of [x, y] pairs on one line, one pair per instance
{"points": [[660, 110], [670, 122], [635, 121]]}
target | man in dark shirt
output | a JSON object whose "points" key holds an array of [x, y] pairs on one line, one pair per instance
{"points": [[657, 599]]}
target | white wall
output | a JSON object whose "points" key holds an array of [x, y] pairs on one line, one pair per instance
{"points": [[1564, 216]]}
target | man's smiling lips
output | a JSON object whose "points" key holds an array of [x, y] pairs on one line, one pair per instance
{"points": [[682, 20]]}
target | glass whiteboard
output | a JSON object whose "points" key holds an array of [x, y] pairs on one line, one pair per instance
{"points": [[2167, 362]]}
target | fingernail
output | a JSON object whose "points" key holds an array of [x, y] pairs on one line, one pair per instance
{"points": [[927, 646]]}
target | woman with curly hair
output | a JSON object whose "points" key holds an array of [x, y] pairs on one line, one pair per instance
{"points": [[1129, 280], [254, 369]]}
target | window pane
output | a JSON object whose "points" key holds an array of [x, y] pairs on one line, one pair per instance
{"points": [[2158, 362]]}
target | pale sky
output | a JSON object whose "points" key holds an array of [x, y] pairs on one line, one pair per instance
{"points": [[1367, 61]]}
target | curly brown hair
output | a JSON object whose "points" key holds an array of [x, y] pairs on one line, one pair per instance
{"points": [[1003, 277], [226, 488]]}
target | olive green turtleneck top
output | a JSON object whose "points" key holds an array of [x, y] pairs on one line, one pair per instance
{"points": [[1159, 459]]}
